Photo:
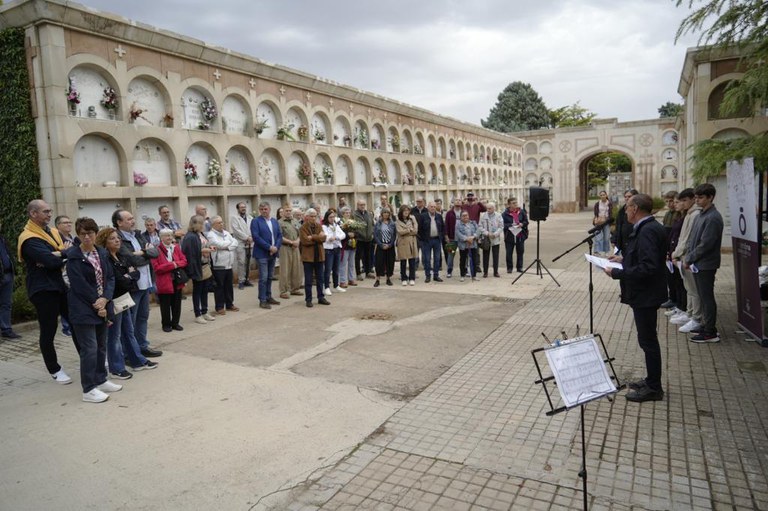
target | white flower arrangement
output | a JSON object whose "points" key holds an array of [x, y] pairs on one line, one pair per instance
{"points": [[214, 171]]}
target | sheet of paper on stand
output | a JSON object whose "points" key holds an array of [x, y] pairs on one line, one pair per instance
{"points": [[602, 262]]}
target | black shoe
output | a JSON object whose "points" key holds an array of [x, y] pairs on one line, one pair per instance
{"points": [[310, 304], [497, 275], [178, 328], [273, 301], [437, 279], [376, 284], [509, 271], [645, 394], [13, 335], [241, 286], [265, 305], [167, 329], [389, 282], [247, 283], [485, 275], [668, 304], [122, 375], [149, 352], [147, 366], [637, 385], [520, 270], [323, 301], [428, 279]]}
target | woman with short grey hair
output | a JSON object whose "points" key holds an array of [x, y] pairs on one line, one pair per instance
{"points": [[347, 274]]}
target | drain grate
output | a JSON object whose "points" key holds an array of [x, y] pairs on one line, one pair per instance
{"points": [[378, 316]]}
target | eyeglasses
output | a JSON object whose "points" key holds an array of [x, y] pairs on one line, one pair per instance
{"points": [[45, 211]]}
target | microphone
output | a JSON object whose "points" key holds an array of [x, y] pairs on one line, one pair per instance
{"points": [[595, 229]]}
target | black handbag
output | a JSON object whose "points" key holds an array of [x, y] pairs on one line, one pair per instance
{"points": [[180, 277]]}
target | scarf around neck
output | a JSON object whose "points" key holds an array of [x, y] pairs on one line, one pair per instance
{"points": [[32, 230]]}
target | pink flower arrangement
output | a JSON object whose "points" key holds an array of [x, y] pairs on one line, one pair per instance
{"points": [[73, 96], [139, 179], [190, 170]]}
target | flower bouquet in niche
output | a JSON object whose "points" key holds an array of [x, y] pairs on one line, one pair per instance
{"points": [[304, 172], [260, 126], [235, 178], [318, 134], [214, 171], [109, 100], [139, 179], [375, 144], [361, 138], [209, 113], [190, 171], [284, 132], [303, 132], [328, 174], [73, 96]]}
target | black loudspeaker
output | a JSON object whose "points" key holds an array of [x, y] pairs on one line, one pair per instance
{"points": [[539, 203]]}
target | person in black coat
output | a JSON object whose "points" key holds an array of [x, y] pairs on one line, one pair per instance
{"points": [[431, 241], [195, 247], [623, 225], [644, 288], [7, 272]]}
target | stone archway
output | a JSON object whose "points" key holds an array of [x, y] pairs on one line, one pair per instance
{"points": [[615, 168]]}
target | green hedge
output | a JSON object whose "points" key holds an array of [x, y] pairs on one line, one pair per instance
{"points": [[19, 163]]}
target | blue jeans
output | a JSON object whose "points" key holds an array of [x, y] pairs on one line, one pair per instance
{"points": [[93, 353], [603, 240], [266, 270], [316, 269], [432, 256], [347, 268], [449, 261], [140, 315], [6, 295], [122, 345], [332, 266], [200, 296]]}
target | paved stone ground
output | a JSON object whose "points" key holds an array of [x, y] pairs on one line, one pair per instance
{"points": [[478, 437]]}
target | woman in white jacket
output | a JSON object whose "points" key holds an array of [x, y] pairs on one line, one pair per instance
{"points": [[332, 245], [222, 259], [491, 226]]}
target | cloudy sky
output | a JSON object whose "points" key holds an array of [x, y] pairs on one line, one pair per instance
{"points": [[617, 58]]}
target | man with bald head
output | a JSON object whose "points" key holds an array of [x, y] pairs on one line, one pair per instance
{"points": [[202, 210], [40, 248]]}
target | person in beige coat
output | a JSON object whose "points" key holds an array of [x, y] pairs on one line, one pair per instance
{"points": [[407, 244], [290, 262]]}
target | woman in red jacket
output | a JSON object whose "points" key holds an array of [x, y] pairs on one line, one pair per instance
{"points": [[171, 257]]}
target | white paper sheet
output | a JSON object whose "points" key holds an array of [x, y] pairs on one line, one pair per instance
{"points": [[515, 230], [602, 262], [579, 371], [670, 266]]}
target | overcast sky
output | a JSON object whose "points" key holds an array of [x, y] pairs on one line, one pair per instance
{"points": [[618, 58]]}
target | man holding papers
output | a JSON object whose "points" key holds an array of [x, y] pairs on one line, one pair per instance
{"points": [[643, 287], [515, 233]]}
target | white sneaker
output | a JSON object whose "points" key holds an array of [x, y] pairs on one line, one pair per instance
{"points": [[61, 377], [108, 386], [679, 319], [328, 291], [411, 282], [405, 282], [339, 289], [95, 396], [208, 317], [672, 311], [200, 320], [691, 326]]}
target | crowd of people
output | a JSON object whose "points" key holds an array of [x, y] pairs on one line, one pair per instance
{"points": [[670, 265], [99, 281]]}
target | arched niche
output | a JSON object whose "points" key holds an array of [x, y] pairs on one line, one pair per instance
{"points": [[729, 134], [379, 173], [432, 177], [90, 83], [152, 159], [442, 176], [406, 141], [362, 171], [452, 178], [96, 162], [200, 154], [441, 148], [421, 173], [475, 153], [267, 119], [431, 148], [669, 137], [191, 104], [294, 163], [530, 148], [545, 147], [545, 163], [393, 172], [452, 149], [531, 164], [669, 154], [669, 172], [361, 137], [342, 132], [409, 177], [715, 101], [393, 140], [343, 171], [483, 154], [237, 166], [319, 128], [462, 151], [235, 116], [295, 119], [547, 180], [323, 169], [148, 103], [271, 168], [531, 180], [419, 145], [377, 135]]}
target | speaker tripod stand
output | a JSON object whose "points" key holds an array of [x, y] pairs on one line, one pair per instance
{"points": [[537, 261]]}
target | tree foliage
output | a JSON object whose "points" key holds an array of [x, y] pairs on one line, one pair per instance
{"points": [[740, 25], [670, 109], [571, 115], [518, 108], [603, 164]]}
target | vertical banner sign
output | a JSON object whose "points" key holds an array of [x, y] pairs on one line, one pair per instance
{"points": [[743, 207]]}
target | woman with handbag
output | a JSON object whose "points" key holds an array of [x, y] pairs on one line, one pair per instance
{"points": [[347, 273], [334, 235], [121, 342], [171, 278], [491, 228], [222, 259], [195, 247], [385, 237], [466, 237], [407, 244]]}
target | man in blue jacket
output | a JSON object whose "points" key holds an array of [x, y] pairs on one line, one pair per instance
{"points": [[644, 288], [267, 240], [431, 232]]}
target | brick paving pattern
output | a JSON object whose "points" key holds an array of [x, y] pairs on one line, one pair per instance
{"points": [[478, 437]]}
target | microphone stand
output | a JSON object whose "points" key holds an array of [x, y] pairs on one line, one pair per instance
{"points": [[588, 240]]}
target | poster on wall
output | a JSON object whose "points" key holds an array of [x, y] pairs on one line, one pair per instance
{"points": [[746, 248]]}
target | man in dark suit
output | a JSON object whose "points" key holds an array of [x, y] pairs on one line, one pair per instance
{"points": [[267, 239], [644, 288], [7, 271], [515, 218], [431, 232]]}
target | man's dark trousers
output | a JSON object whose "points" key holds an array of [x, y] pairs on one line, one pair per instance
{"points": [[648, 339]]}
